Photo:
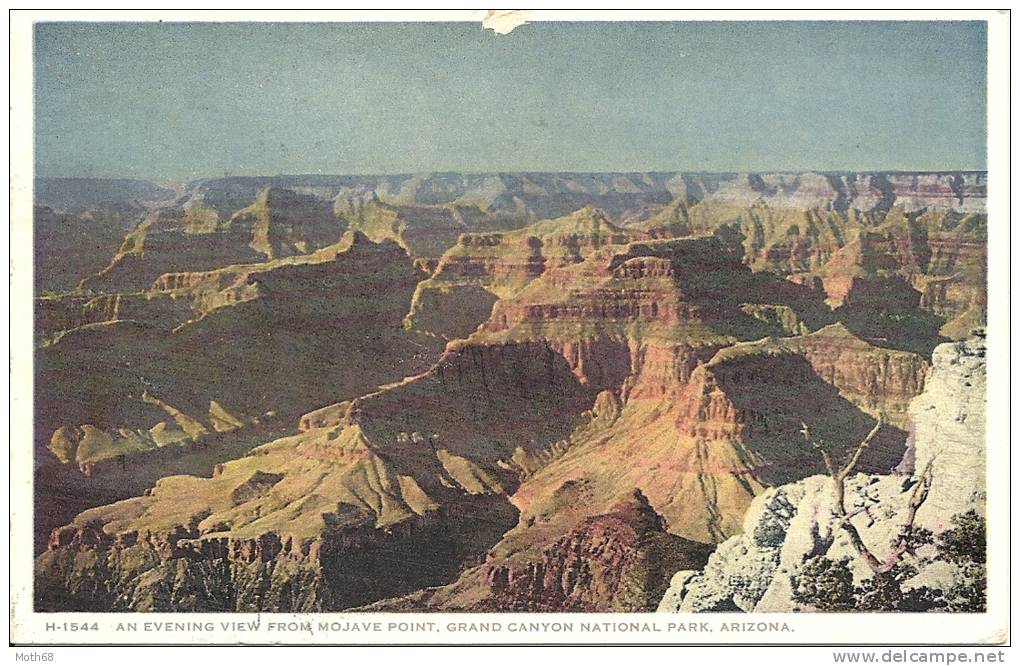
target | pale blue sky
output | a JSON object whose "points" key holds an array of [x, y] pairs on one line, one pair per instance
{"points": [[191, 100]]}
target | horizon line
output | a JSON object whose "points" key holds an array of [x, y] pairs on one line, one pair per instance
{"points": [[500, 172]]}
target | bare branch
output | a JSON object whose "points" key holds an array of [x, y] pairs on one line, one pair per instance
{"points": [[826, 458], [862, 549], [865, 443], [917, 499]]}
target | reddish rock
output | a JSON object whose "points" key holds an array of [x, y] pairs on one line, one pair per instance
{"points": [[614, 562]]}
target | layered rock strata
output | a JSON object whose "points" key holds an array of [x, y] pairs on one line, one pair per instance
{"points": [[786, 526]]}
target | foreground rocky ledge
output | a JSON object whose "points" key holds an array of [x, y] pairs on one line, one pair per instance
{"points": [[788, 528]]}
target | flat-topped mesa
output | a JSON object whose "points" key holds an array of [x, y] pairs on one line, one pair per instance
{"points": [[197, 238], [692, 288], [502, 263], [507, 260], [448, 202], [492, 257], [878, 381]]}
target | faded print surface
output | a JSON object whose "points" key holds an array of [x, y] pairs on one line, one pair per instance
{"points": [[584, 317]]}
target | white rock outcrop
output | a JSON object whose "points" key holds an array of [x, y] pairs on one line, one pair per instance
{"points": [[948, 431]]}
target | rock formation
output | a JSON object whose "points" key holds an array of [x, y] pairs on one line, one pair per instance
{"points": [[512, 391], [786, 526], [614, 562], [482, 268]]}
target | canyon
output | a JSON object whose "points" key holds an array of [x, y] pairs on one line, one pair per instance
{"points": [[489, 392]]}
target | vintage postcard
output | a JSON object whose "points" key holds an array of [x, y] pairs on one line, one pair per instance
{"points": [[509, 327]]}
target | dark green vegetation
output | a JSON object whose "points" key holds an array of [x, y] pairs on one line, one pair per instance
{"points": [[828, 585]]}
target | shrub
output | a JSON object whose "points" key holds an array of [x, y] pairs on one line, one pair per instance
{"points": [[827, 585]]}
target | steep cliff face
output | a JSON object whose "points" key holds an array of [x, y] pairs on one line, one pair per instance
{"points": [[785, 527], [702, 449], [879, 381], [692, 289], [475, 407], [948, 431], [701, 425]]}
